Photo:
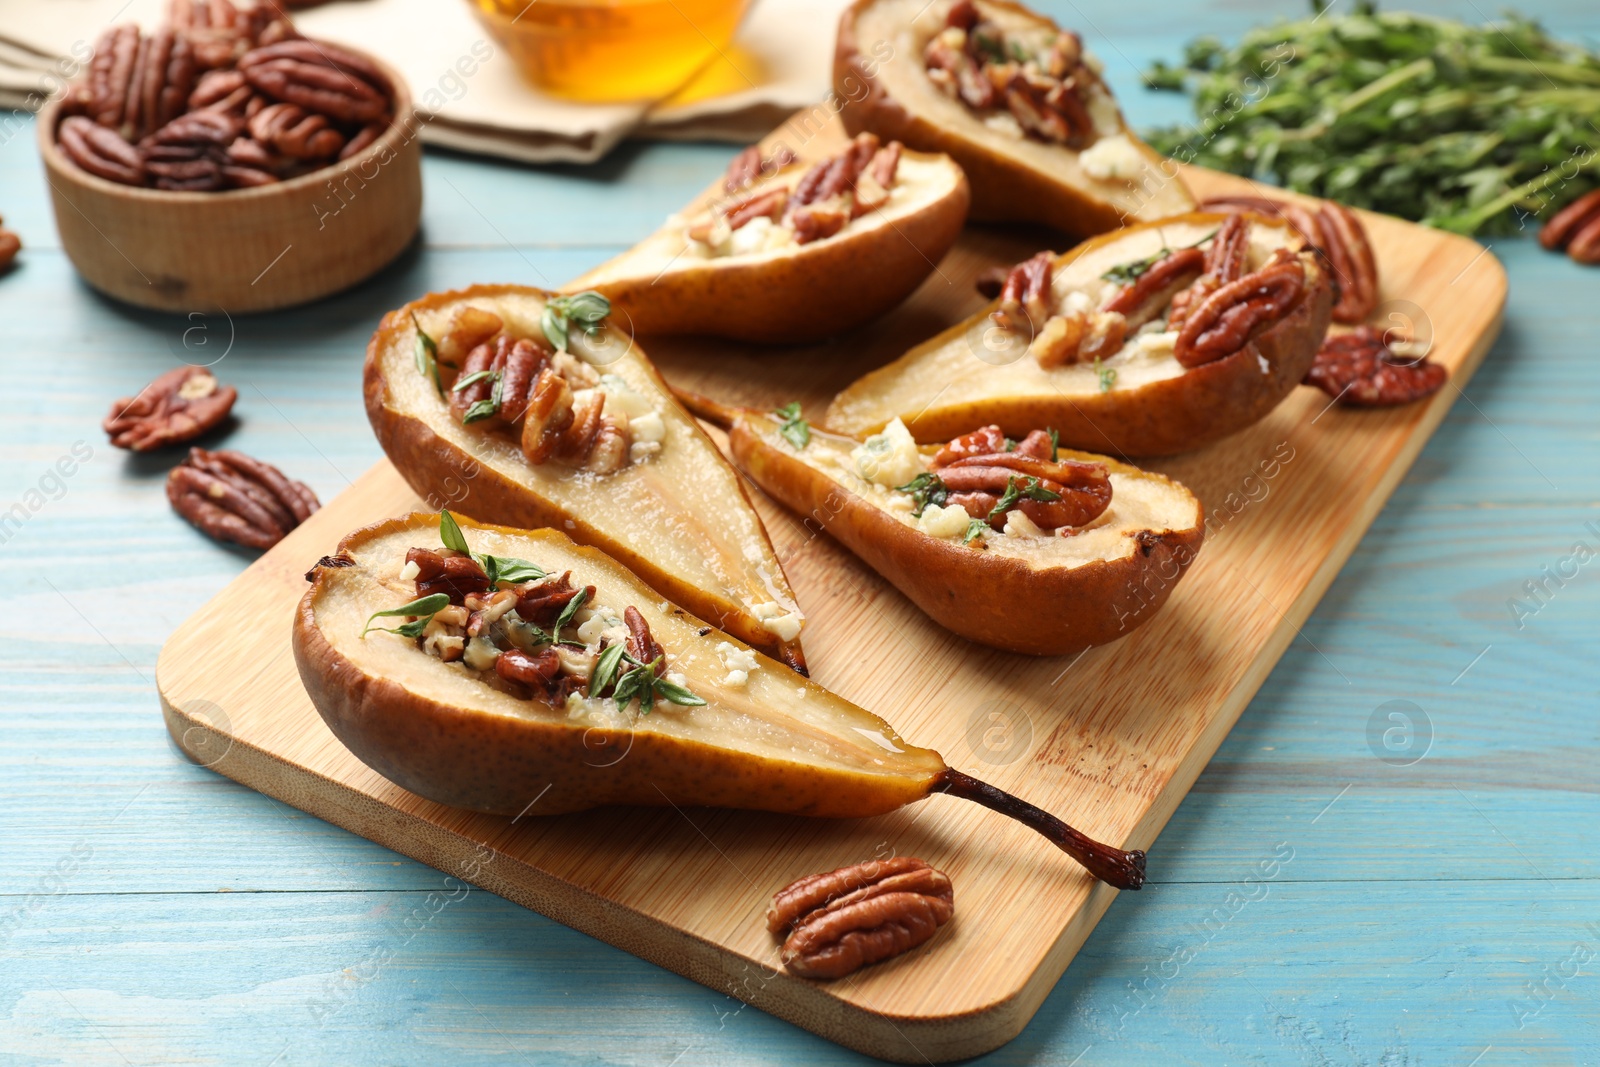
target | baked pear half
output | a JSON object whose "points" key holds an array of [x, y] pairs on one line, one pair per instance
{"points": [[1014, 99], [515, 405], [1012, 543], [1150, 340], [518, 673], [780, 252]]}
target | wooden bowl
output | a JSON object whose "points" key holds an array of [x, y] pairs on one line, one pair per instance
{"points": [[245, 249]]}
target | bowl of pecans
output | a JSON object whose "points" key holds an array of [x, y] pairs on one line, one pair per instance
{"points": [[224, 162]]}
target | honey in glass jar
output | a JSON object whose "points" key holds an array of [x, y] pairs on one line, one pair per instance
{"points": [[611, 50]]}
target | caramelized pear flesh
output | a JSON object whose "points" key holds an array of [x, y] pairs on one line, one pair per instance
{"points": [[679, 518], [1139, 400], [789, 293], [1041, 592], [768, 741], [881, 76]]}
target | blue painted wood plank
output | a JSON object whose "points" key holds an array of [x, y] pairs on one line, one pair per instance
{"points": [[1266, 971]]}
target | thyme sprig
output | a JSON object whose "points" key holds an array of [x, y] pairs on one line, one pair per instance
{"points": [[588, 309], [1471, 128]]}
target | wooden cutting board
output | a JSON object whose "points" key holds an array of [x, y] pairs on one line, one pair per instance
{"points": [[1110, 741]]}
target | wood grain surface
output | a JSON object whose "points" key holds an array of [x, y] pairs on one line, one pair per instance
{"points": [[153, 912], [1132, 726]]}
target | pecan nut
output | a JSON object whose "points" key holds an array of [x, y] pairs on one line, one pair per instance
{"points": [[1025, 297], [222, 90], [842, 187], [180, 405], [1143, 299], [1336, 234], [1067, 493], [232, 497], [189, 152], [1228, 319], [10, 245], [1362, 369], [116, 54], [320, 77], [749, 167], [1576, 228], [1224, 263], [138, 83], [100, 151], [222, 31], [843, 920], [296, 132]]}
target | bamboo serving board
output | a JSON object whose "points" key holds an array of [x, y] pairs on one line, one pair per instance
{"points": [[1110, 741]]}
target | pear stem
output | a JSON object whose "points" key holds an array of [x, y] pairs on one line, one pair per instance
{"points": [[1114, 866]]}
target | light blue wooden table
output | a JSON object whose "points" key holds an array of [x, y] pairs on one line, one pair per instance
{"points": [[1446, 911]]}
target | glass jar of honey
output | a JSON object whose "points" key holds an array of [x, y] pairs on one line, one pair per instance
{"points": [[611, 50]]}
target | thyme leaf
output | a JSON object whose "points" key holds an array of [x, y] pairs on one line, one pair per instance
{"points": [[427, 355], [794, 428], [1029, 488], [926, 488], [423, 608]]}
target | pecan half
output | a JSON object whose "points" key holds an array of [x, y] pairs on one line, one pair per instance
{"points": [[846, 919], [541, 603], [1150, 293], [319, 77], [1079, 337], [1025, 298], [179, 406], [536, 669], [1334, 232], [363, 139], [748, 166], [10, 245], [1224, 263], [221, 90], [448, 572], [1233, 315], [642, 644], [100, 151], [295, 132], [978, 482], [116, 54], [222, 31], [232, 497], [1576, 228], [1361, 369], [189, 152], [842, 187]]}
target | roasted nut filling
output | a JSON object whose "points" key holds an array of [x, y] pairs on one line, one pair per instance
{"points": [[760, 217], [1200, 304], [531, 634], [556, 405], [1036, 83], [978, 485], [836, 923]]}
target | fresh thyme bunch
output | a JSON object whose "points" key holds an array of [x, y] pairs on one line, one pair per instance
{"points": [[1467, 128]]}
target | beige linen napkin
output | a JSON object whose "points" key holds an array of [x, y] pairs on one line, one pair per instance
{"points": [[466, 87]]}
